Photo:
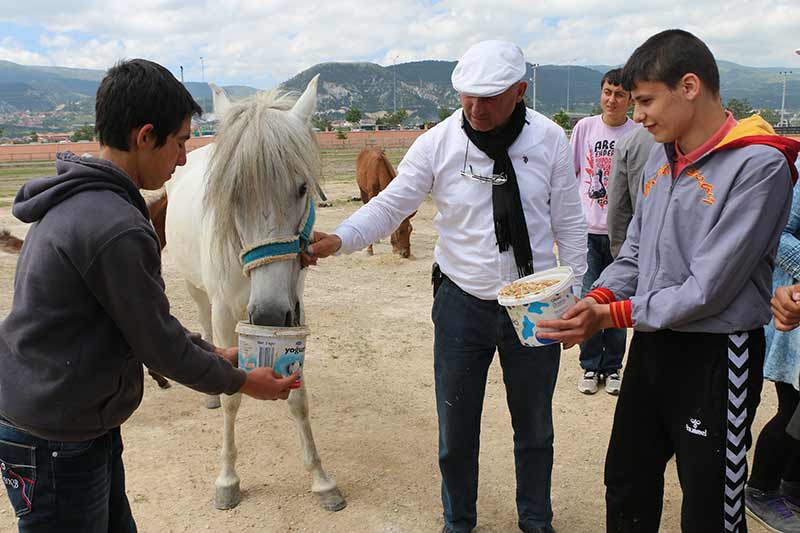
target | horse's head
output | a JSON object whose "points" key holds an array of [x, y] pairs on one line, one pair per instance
{"points": [[260, 192]]}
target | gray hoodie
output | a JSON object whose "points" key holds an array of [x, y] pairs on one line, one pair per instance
{"points": [[89, 309]]}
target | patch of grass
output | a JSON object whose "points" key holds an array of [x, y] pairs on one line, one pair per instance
{"points": [[13, 177], [337, 166], [340, 165]]}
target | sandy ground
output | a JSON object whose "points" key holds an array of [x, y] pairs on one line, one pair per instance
{"points": [[369, 371]]}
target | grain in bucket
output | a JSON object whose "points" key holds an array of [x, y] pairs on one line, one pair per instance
{"points": [[545, 295], [282, 349]]}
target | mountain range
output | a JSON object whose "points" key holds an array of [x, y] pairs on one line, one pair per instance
{"points": [[420, 87]]}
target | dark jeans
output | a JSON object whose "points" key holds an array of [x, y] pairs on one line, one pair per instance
{"points": [[603, 351], [467, 331], [59, 486], [777, 455]]}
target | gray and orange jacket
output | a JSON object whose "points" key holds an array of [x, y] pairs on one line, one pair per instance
{"points": [[700, 249]]}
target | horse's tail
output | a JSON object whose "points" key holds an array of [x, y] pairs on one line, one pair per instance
{"points": [[9, 243]]}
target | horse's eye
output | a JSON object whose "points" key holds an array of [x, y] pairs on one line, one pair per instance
{"points": [[303, 190]]}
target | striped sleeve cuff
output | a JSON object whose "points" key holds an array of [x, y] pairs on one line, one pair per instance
{"points": [[602, 295], [621, 314]]}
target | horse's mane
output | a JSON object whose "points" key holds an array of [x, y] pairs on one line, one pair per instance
{"points": [[260, 147]]}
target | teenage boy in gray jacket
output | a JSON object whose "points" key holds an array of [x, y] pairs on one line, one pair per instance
{"points": [[89, 309], [693, 279]]}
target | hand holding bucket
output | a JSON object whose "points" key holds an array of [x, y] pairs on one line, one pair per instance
{"points": [[528, 311], [280, 349], [266, 384]]}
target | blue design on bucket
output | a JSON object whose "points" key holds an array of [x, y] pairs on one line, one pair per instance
{"points": [[537, 307], [527, 328], [288, 363]]}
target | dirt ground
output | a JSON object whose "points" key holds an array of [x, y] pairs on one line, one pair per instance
{"points": [[369, 368]]}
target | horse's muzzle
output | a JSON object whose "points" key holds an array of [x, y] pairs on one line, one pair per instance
{"points": [[274, 315]]}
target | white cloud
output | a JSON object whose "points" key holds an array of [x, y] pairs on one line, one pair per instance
{"points": [[264, 42], [11, 50]]}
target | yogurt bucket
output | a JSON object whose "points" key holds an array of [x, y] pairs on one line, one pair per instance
{"points": [[549, 303], [282, 349]]}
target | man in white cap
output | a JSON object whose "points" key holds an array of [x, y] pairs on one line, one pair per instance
{"points": [[502, 179]]}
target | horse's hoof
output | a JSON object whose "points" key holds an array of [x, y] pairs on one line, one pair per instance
{"points": [[164, 384], [331, 500], [212, 402], [227, 497]]}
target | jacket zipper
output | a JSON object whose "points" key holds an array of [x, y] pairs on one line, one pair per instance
{"points": [[658, 237]]}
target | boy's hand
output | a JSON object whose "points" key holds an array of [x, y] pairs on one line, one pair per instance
{"points": [[786, 307], [266, 384], [580, 322], [229, 354]]}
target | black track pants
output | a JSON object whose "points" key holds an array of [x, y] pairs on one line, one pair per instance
{"points": [[692, 395]]}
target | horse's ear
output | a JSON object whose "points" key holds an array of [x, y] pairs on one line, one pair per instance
{"points": [[221, 102], [307, 103]]}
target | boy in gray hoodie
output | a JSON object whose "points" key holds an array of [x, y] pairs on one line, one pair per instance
{"points": [[89, 309], [693, 279]]}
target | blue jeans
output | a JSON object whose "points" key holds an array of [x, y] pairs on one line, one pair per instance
{"points": [[467, 331], [603, 351], [57, 486]]}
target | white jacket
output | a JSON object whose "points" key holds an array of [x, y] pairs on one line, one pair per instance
{"points": [[467, 249]]}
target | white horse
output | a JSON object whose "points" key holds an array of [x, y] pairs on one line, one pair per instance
{"points": [[250, 191]]}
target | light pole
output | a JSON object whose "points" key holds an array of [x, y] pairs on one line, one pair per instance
{"points": [[202, 69], [533, 85], [785, 74], [569, 67], [394, 83], [181, 73]]}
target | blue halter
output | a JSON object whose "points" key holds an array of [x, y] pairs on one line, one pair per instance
{"points": [[279, 249]]}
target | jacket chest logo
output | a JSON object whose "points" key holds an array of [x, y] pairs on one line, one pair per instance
{"points": [[707, 188], [691, 172], [663, 170]]}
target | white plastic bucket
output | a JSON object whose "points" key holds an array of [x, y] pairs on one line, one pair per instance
{"points": [[548, 304], [282, 349]]}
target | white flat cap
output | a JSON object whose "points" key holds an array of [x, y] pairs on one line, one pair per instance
{"points": [[488, 68]]}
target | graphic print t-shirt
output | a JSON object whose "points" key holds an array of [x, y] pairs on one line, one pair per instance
{"points": [[592, 143]]}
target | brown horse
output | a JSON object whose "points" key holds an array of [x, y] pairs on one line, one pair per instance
{"points": [[9, 243], [157, 207], [374, 171]]}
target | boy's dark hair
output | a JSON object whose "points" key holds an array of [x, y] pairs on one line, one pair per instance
{"points": [[668, 56], [613, 77], [139, 92]]}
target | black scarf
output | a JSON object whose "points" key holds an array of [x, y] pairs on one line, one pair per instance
{"points": [[509, 219]]}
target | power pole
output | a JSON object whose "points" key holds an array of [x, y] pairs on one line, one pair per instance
{"points": [[533, 85], [568, 80], [785, 74], [181, 73], [394, 83]]}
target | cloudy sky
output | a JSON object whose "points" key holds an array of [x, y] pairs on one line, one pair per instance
{"points": [[263, 42]]}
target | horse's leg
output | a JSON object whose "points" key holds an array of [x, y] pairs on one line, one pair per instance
{"points": [[161, 380], [322, 485], [204, 311], [227, 494], [365, 199]]}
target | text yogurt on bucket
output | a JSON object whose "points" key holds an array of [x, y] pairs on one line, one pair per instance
{"points": [[282, 349], [551, 299]]}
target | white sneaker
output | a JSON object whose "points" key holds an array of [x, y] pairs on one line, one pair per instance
{"points": [[588, 383], [613, 383]]}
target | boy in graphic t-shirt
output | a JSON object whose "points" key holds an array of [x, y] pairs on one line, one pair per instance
{"points": [[592, 143]]}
